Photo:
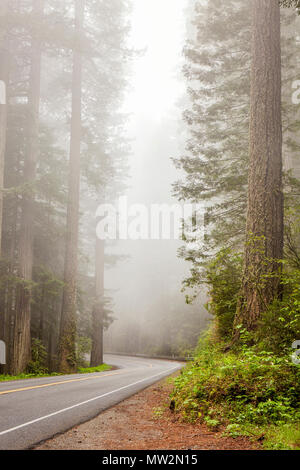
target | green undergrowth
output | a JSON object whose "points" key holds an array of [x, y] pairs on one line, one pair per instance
{"points": [[280, 436], [81, 370], [92, 370], [250, 393], [7, 378]]}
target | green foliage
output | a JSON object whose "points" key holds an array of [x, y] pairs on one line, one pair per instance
{"points": [[252, 387], [83, 347], [223, 275], [81, 370], [105, 148], [37, 365], [216, 158], [215, 163], [8, 378], [158, 412], [92, 370], [285, 437], [280, 324], [213, 424]]}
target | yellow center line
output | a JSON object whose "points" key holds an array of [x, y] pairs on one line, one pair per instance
{"points": [[59, 383]]}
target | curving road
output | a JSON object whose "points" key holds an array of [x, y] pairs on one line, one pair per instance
{"points": [[36, 409]]}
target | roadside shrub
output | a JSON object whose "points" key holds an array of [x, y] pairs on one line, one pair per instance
{"points": [[92, 370], [224, 275], [83, 348], [37, 365], [280, 324], [253, 387]]}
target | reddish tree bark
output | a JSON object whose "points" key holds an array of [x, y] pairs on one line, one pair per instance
{"points": [[21, 341], [264, 245]]}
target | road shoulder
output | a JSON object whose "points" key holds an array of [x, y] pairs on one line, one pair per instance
{"points": [[143, 422]]}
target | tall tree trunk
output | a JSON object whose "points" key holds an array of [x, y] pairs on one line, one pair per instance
{"points": [[4, 60], [9, 312], [98, 313], [21, 332], [67, 353], [265, 198], [43, 308]]}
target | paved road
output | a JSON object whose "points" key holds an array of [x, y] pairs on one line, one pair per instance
{"points": [[36, 409]]}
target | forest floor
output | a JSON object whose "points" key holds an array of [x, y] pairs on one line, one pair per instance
{"points": [[144, 422]]}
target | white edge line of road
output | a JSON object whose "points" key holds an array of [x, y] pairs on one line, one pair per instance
{"points": [[84, 402]]}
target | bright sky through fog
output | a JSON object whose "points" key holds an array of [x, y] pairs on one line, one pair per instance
{"points": [[157, 26]]}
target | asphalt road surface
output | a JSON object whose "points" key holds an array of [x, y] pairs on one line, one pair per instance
{"points": [[36, 409]]}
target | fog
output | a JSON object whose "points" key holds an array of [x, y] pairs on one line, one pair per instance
{"points": [[148, 304], [92, 96]]}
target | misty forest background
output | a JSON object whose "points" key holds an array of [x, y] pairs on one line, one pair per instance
{"points": [[64, 150]]}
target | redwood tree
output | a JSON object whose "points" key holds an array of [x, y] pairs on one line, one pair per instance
{"points": [[67, 349], [264, 246], [4, 55], [21, 343]]}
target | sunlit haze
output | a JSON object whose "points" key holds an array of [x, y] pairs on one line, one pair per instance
{"points": [[158, 30]]}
